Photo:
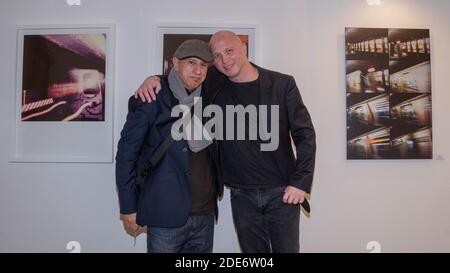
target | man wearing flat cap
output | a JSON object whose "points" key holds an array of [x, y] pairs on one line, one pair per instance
{"points": [[176, 197], [268, 186]]}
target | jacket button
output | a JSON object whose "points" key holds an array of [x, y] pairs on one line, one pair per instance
{"points": [[184, 150], [186, 173]]}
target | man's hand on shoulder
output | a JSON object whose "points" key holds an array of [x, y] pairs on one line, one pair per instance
{"points": [[148, 89]]}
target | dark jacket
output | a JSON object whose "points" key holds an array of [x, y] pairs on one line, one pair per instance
{"points": [[280, 89], [164, 199]]}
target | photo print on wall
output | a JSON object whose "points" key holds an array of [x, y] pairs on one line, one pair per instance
{"points": [[388, 93], [64, 94], [63, 77]]}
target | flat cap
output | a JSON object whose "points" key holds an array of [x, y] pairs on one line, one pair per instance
{"points": [[194, 48]]}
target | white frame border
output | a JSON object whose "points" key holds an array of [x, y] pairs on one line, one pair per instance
{"points": [[108, 28]]}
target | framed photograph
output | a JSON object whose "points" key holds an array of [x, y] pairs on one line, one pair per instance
{"points": [[388, 89], [170, 37], [64, 94]]}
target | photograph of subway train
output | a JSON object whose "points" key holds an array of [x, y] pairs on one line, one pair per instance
{"points": [[63, 77], [388, 93]]}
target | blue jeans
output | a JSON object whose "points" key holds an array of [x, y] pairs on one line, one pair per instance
{"points": [[195, 236], [264, 224]]}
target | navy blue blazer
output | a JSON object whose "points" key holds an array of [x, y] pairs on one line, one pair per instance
{"points": [[164, 199]]}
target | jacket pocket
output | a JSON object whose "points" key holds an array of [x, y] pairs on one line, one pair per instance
{"points": [[164, 192], [163, 175]]}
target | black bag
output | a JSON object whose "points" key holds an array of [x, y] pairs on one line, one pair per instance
{"points": [[143, 171]]}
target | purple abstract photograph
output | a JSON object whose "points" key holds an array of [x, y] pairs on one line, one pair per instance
{"points": [[63, 77]]}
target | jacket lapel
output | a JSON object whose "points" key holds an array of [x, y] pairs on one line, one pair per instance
{"points": [[265, 85]]}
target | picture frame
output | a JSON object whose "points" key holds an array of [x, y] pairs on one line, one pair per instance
{"points": [[388, 94], [170, 36], [64, 94]]}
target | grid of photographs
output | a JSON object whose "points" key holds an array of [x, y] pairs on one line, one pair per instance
{"points": [[388, 89]]}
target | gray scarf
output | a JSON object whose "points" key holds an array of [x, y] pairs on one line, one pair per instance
{"points": [[177, 87]]}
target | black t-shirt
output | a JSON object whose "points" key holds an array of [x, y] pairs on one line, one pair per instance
{"points": [[243, 163], [202, 188]]}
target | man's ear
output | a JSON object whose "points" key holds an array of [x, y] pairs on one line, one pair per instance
{"points": [[175, 62], [244, 47]]}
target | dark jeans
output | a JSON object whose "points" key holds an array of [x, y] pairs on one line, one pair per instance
{"points": [[263, 222], [196, 236]]}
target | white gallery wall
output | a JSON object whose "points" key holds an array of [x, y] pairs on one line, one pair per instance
{"points": [[403, 205]]}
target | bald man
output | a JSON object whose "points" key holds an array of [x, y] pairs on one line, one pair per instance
{"points": [[266, 187]]}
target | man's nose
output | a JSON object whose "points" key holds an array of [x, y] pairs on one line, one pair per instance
{"points": [[197, 69], [224, 59]]}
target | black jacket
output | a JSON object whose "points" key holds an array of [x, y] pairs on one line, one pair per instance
{"points": [[280, 89]]}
